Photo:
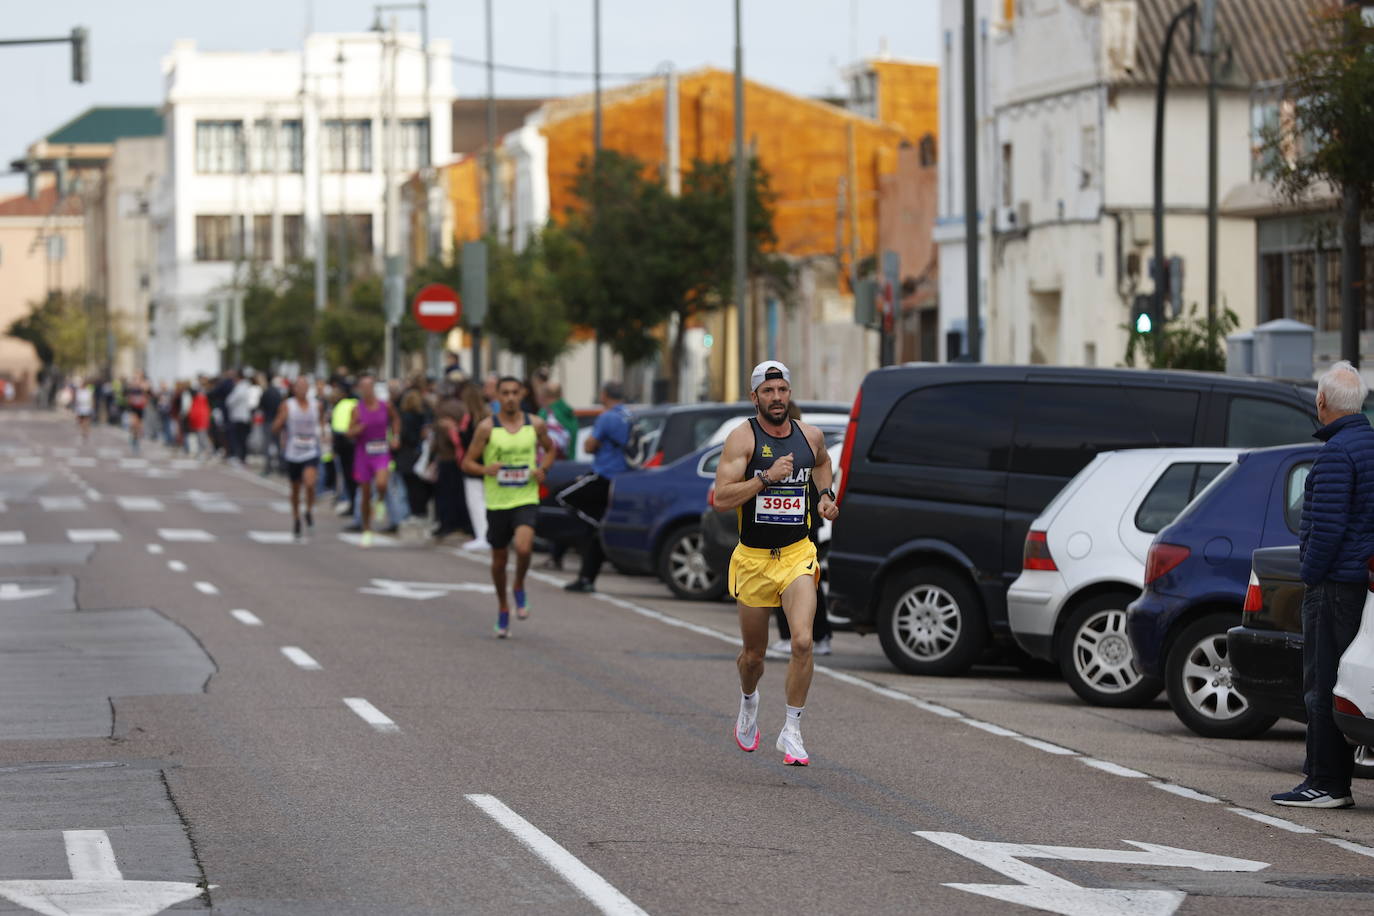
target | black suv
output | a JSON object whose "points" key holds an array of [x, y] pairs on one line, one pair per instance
{"points": [[945, 467]]}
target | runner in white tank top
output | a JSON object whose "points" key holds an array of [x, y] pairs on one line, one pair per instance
{"points": [[298, 419]]}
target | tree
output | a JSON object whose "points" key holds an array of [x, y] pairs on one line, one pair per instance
{"points": [[1183, 343], [1325, 132], [352, 333], [70, 331], [527, 309], [279, 316]]}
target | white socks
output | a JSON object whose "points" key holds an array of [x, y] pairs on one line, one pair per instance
{"points": [[794, 716]]}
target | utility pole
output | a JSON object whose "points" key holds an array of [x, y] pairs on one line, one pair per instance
{"points": [[1160, 266], [741, 190], [973, 347], [1352, 259], [489, 198], [342, 255], [1210, 47], [598, 369]]}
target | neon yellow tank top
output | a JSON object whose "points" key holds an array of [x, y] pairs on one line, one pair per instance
{"points": [[515, 485]]}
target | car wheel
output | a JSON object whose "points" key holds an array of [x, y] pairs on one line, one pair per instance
{"points": [[1197, 675], [683, 568], [1364, 762], [931, 622], [1096, 658]]}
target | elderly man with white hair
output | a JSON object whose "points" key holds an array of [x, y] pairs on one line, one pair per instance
{"points": [[1335, 541]]}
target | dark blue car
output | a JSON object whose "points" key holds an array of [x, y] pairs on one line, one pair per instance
{"points": [[1195, 580], [653, 524]]}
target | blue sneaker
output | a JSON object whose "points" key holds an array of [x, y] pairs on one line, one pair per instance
{"points": [[1305, 796], [522, 605], [502, 624]]}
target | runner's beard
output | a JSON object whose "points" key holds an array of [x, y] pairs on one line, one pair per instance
{"points": [[776, 412]]}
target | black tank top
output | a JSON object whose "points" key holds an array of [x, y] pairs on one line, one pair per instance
{"points": [[780, 515]]}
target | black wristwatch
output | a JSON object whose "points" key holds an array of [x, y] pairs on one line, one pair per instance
{"points": [[827, 492], [763, 476]]}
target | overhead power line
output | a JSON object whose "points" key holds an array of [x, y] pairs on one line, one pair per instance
{"points": [[539, 71]]}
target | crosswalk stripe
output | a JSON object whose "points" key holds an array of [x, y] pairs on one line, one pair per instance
{"points": [[140, 503], [93, 535], [62, 503], [217, 505], [185, 534], [271, 537], [13, 537]]}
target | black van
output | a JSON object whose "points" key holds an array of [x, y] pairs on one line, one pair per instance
{"points": [[945, 467]]}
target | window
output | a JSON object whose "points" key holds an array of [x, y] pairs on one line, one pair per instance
{"points": [[219, 238], [358, 242], [56, 247], [1174, 489], [286, 153], [1087, 164], [709, 463], [1271, 287], [1064, 426], [1293, 495], [1006, 177], [293, 237], [348, 145], [219, 147], [262, 238], [1303, 270], [1253, 423], [951, 426], [414, 144]]}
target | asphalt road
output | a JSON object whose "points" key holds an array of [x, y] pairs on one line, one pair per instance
{"points": [[155, 739]]}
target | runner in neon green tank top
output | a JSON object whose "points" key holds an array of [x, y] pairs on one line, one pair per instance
{"points": [[505, 451]]}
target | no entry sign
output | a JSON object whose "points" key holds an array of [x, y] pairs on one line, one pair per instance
{"points": [[437, 308]]}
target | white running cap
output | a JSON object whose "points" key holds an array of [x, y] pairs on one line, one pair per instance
{"points": [[762, 371]]}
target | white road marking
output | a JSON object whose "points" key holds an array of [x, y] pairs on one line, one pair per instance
{"points": [[247, 618], [185, 534], [1185, 792], [1043, 890], [1115, 769], [28, 461], [423, 591], [598, 891], [222, 506], [13, 591], [378, 540], [155, 548], [89, 856], [300, 658], [110, 453], [94, 496], [176, 566], [80, 461], [140, 503], [61, 503], [272, 537], [371, 714], [93, 535], [206, 588], [1350, 847], [992, 729], [63, 452], [280, 505], [12, 537], [1271, 820], [132, 464], [97, 887], [159, 474], [1046, 746], [185, 464]]}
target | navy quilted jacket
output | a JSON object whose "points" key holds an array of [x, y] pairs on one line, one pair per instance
{"points": [[1336, 537]]}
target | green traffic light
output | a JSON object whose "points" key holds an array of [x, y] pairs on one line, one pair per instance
{"points": [[707, 340], [1143, 324]]}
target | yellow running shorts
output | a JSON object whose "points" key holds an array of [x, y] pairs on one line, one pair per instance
{"points": [[759, 576]]}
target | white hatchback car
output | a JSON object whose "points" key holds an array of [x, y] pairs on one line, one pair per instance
{"points": [[1354, 693], [1084, 562]]}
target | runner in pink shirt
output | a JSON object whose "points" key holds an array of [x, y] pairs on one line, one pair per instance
{"points": [[375, 429]]}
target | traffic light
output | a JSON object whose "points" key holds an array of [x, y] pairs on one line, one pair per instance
{"points": [[81, 54], [1142, 318]]}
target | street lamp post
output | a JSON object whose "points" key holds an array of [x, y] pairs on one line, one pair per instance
{"points": [[741, 189]]}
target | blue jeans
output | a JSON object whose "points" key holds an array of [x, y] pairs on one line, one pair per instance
{"points": [[1330, 619]]}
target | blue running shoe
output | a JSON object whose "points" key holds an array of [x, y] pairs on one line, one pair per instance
{"points": [[1306, 796], [522, 605], [503, 624]]}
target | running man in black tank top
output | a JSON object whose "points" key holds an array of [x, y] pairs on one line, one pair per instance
{"points": [[765, 472]]}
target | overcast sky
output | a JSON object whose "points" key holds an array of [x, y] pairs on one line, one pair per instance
{"points": [[799, 45]]}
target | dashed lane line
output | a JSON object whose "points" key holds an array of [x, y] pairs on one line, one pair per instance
{"points": [[1350, 847], [155, 549], [140, 503], [1046, 746], [93, 535], [300, 658], [371, 714], [247, 618], [176, 566], [191, 535], [598, 891], [1115, 769], [207, 588], [1185, 792], [62, 503], [272, 537], [1271, 820], [8, 538]]}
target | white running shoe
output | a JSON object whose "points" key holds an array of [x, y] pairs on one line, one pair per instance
{"points": [[747, 726], [823, 646], [477, 544], [793, 751], [782, 646]]}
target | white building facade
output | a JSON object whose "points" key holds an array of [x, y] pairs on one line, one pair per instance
{"points": [[270, 154], [1066, 115]]}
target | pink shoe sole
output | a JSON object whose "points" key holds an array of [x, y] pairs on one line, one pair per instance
{"points": [[758, 733], [791, 761]]}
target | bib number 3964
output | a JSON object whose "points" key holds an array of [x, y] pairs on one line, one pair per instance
{"points": [[781, 506]]}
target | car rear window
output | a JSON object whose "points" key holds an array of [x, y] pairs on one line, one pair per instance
{"points": [[1258, 423], [1174, 489], [1062, 427], [1293, 492], [964, 425]]}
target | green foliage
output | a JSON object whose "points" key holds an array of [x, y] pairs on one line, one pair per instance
{"points": [[69, 331], [527, 311], [1183, 343], [279, 316], [352, 334], [1330, 133]]}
